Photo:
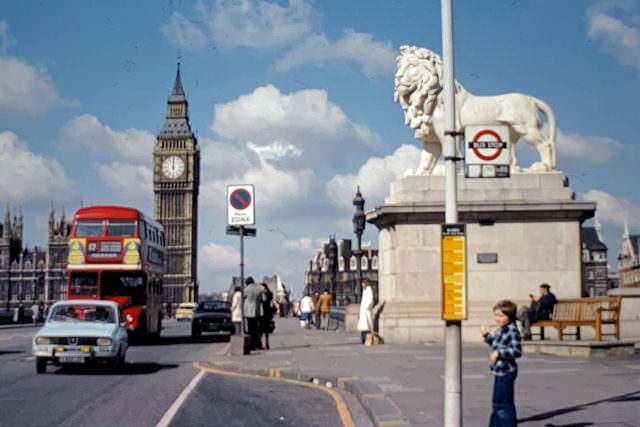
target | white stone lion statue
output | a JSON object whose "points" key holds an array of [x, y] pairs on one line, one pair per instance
{"points": [[418, 89]]}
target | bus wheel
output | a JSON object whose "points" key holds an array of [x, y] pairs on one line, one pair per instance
{"points": [[41, 365]]}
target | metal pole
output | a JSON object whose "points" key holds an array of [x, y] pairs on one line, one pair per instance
{"points": [[453, 332], [242, 329], [359, 270]]}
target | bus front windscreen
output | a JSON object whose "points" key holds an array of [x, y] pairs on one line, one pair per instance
{"points": [[121, 229], [89, 228], [84, 284], [122, 283]]}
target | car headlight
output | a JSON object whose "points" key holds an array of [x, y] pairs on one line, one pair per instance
{"points": [[129, 317], [103, 341], [44, 340]]}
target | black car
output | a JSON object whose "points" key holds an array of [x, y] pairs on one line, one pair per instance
{"points": [[211, 316]]}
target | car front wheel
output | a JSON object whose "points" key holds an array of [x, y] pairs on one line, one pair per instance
{"points": [[195, 332], [41, 365]]}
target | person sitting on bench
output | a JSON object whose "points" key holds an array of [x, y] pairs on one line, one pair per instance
{"points": [[541, 308]]}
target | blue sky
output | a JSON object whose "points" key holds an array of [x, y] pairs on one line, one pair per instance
{"points": [[297, 98]]}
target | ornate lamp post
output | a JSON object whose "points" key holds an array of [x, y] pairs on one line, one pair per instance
{"points": [[358, 229]]}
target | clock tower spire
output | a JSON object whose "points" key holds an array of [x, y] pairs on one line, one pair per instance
{"points": [[176, 181]]}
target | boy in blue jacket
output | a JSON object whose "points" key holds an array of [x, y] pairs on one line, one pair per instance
{"points": [[506, 347]]}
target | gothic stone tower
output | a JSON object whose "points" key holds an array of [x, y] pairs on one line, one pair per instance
{"points": [[176, 178]]}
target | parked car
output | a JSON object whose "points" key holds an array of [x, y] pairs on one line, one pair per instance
{"points": [[81, 331], [185, 311], [212, 316]]}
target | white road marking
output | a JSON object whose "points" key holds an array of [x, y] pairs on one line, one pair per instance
{"points": [[173, 409], [548, 371]]}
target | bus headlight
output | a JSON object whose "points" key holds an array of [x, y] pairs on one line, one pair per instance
{"points": [[44, 340], [103, 341], [129, 317]]}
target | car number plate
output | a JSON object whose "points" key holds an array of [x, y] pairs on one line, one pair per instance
{"points": [[71, 359]]}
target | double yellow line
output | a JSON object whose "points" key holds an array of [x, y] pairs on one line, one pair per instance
{"points": [[273, 374]]}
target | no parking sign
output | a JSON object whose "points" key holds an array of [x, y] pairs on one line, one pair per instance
{"points": [[487, 152], [240, 205]]}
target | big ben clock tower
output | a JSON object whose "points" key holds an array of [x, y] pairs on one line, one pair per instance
{"points": [[176, 178]]}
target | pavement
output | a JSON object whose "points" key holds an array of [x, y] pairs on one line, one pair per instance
{"points": [[403, 384]]}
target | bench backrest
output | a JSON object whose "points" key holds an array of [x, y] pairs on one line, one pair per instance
{"points": [[586, 308]]}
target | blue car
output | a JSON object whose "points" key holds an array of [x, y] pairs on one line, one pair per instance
{"points": [[81, 331]]}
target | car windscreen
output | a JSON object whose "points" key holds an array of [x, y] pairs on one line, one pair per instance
{"points": [[213, 306], [83, 313]]}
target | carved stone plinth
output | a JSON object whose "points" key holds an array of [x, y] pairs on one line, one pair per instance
{"points": [[521, 231]]}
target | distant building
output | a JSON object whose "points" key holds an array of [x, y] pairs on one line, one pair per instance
{"points": [[629, 260], [32, 275], [595, 276], [335, 267]]}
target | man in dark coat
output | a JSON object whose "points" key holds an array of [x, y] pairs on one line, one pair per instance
{"points": [[541, 308], [252, 303]]}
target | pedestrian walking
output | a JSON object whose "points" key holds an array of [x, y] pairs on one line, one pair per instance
{"points": [[35, 312], [316, 313], [16, 315], [252, 295], [236, 310], [20, 313], [324, 307], [306, 308], [365, 317], [267, 310], [506, 347], [541, 308]]}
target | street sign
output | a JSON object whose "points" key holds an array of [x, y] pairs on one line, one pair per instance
{"points": [[236, 230], [454, 275], [488, 152], [240, 205]]}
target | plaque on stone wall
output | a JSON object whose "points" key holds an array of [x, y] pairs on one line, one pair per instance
{"points": [[487, 258]]}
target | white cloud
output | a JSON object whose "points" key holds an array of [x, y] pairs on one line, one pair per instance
{"points": [[215, 257], [303, 244], [589, 149], [6, 40], [88, 132], [275, 189], [184, 33], [618, 38], [373, 177], [375, 57], [307, 120], [25, 175], [130, 181], [25, 89], [276, 150], [259, 24], [612, 210]]}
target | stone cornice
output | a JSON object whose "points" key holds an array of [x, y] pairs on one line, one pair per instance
{"points": [[469, 212]]}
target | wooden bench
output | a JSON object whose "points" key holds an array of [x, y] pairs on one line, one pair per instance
{"points": [[577, 312]]}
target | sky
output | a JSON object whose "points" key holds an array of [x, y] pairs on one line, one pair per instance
{"points": [[295, 97]]}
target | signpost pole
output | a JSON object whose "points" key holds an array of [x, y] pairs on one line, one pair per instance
{"points": [[243, 327], [453, 328]]}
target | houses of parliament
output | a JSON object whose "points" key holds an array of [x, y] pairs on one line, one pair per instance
{"points": [[30, 275]]}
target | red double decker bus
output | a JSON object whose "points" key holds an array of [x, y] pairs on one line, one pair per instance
{"points": [[117, 253]]}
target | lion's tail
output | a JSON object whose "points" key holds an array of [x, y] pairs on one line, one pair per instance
{"points": [[551, 118]]}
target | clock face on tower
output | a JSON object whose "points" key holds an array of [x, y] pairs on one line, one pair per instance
{"points": [[173, 167]]}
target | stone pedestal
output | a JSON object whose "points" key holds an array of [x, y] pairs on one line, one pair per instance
{"points": [[521, 231]]}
